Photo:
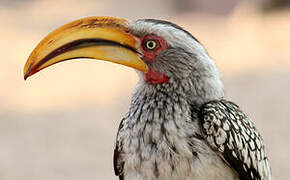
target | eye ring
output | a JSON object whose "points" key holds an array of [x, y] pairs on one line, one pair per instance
{"points": [[151, 44]]}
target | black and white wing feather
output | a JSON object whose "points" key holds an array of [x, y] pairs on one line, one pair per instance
{"points": [[118, 160], [230, 132]]}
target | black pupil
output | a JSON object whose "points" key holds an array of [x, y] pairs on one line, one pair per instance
{"points": [[150, 44]]}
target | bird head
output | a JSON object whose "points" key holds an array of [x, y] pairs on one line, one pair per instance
{"points": [[162, 52]]}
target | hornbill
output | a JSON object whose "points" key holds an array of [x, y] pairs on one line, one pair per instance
{"points": [[179, 126]]}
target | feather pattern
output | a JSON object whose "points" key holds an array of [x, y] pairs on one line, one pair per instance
{"points": [[230, 132]]}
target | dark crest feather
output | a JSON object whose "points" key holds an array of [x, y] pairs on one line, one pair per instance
{"points": [[156, 21]]}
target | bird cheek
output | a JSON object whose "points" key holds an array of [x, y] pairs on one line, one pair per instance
{"points": [[149, 57]]}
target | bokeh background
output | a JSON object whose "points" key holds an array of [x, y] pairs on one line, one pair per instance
{"points": [[61, 123]]}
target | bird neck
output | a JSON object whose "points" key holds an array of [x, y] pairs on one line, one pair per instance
{"points": [[196, 90], [158, 116], [171, 101], [157, 111]]}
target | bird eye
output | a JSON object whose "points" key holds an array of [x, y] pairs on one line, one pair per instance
{"points": [[150, 44]]}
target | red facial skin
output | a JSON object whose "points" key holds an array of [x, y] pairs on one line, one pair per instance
{"points": [[149, 55], [154, 77]]}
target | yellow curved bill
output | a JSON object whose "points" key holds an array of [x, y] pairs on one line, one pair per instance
{"points": [[101, 38]]}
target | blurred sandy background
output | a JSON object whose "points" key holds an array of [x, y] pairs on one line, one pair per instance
{"points": [[61, 123]]}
